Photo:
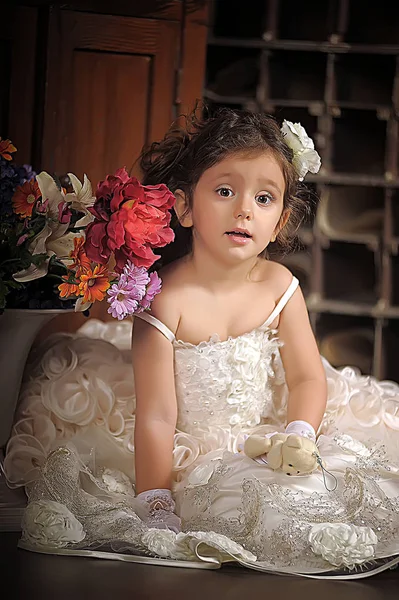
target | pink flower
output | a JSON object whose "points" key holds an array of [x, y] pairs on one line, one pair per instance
{"points": [[133, 292], [153, 288], [64, 213], [42, 207], [125, 295], [136, 279], [122, 300], [22, 239]]}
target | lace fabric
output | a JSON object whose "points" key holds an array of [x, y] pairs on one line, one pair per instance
{"points": [[275, 521], [72, 446], [239, 394]]}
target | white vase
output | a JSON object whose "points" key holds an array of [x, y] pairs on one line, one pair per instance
{"points": [[18, 329]]}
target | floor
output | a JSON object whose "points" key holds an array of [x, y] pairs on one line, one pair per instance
{"points": [[33, 576]]}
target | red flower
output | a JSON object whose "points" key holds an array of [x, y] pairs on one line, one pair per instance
{"points": [[131, 219], [7, 149], [25, 197]]}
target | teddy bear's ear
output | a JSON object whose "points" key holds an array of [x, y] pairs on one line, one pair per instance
{"points": [[294, 441], [256, 445], [275, 456]]}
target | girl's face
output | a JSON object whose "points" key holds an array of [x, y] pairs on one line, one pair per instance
{"points": [[237, 207]]}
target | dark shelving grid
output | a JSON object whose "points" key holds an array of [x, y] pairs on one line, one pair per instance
{"points": [[333, 66]]}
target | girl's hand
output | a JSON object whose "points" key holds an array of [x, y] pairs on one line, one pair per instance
{"points": [[160, 506]]}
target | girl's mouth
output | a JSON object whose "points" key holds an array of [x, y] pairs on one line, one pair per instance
{"points": [[239, 237]]}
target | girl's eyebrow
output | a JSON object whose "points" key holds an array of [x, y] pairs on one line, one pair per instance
{"points": [[271, 183], [221, 176]]}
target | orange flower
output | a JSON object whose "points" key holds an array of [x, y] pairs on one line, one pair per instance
{"points": [[68, 289], [78, 254], [25, 197], [6, 149], [94, 283]]}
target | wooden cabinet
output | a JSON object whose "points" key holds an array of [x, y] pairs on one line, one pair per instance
{"points": [[110, 90], [83, 91], [86, 89]]}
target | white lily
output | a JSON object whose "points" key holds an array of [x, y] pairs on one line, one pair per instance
{"points": [[50, 192], [48, 240], [63, 246], [81, 306], [81, 199]]}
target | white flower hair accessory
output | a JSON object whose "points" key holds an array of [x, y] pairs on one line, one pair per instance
{"points": [[305, 156]]}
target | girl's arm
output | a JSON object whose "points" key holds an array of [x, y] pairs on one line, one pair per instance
{"points": [[305, 375], [156, 408]]}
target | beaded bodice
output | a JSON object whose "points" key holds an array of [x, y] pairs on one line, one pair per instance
{"points": [[226, 383]]}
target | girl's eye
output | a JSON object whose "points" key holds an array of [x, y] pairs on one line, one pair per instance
{"points": [[264, 199], [224, 192]]}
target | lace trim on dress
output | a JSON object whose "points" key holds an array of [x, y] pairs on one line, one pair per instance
{"points": [[275, 523]]}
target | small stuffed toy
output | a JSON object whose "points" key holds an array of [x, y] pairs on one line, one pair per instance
{"points": [[293, 454]]}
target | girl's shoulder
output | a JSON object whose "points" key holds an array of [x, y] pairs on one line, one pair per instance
{"points": [[275, 277], [166, 306]]}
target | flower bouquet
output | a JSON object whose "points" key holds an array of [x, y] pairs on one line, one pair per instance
{"points": [[63, 247]]}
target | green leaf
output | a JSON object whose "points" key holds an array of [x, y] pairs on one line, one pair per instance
{"points": [[3, 294], [38, 259], [15, 285]]}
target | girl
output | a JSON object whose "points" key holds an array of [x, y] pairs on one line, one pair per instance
{"points": [[226, 351]]}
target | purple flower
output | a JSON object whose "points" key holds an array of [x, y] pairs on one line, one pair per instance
{"points": [[122, 301], [135, 279], [133, 292], [29, 172], [6, 170], [124, 296], [153, 288]]}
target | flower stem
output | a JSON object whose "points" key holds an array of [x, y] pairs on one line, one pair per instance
{"points": [[9, 260]]}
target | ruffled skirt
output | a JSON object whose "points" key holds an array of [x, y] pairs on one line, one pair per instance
{"points": [[72, 449]]}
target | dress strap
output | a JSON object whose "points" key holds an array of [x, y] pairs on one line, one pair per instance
{"points": [[145, 316], [283, 300]]}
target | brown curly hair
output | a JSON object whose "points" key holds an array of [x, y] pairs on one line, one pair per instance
{"points": [[185, 153]]}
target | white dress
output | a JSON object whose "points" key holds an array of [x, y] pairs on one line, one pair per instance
{"points": [[72, 447]]}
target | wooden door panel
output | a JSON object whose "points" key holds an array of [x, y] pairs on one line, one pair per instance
{"points": [[112, 77], [109, 120], [5, 61], [18, 39]]}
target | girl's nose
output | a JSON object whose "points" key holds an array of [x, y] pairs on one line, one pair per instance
{"points": [[243, 210]]}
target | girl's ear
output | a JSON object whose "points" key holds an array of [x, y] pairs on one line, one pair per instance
{"points": [[282, 223], [182, 210]]}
